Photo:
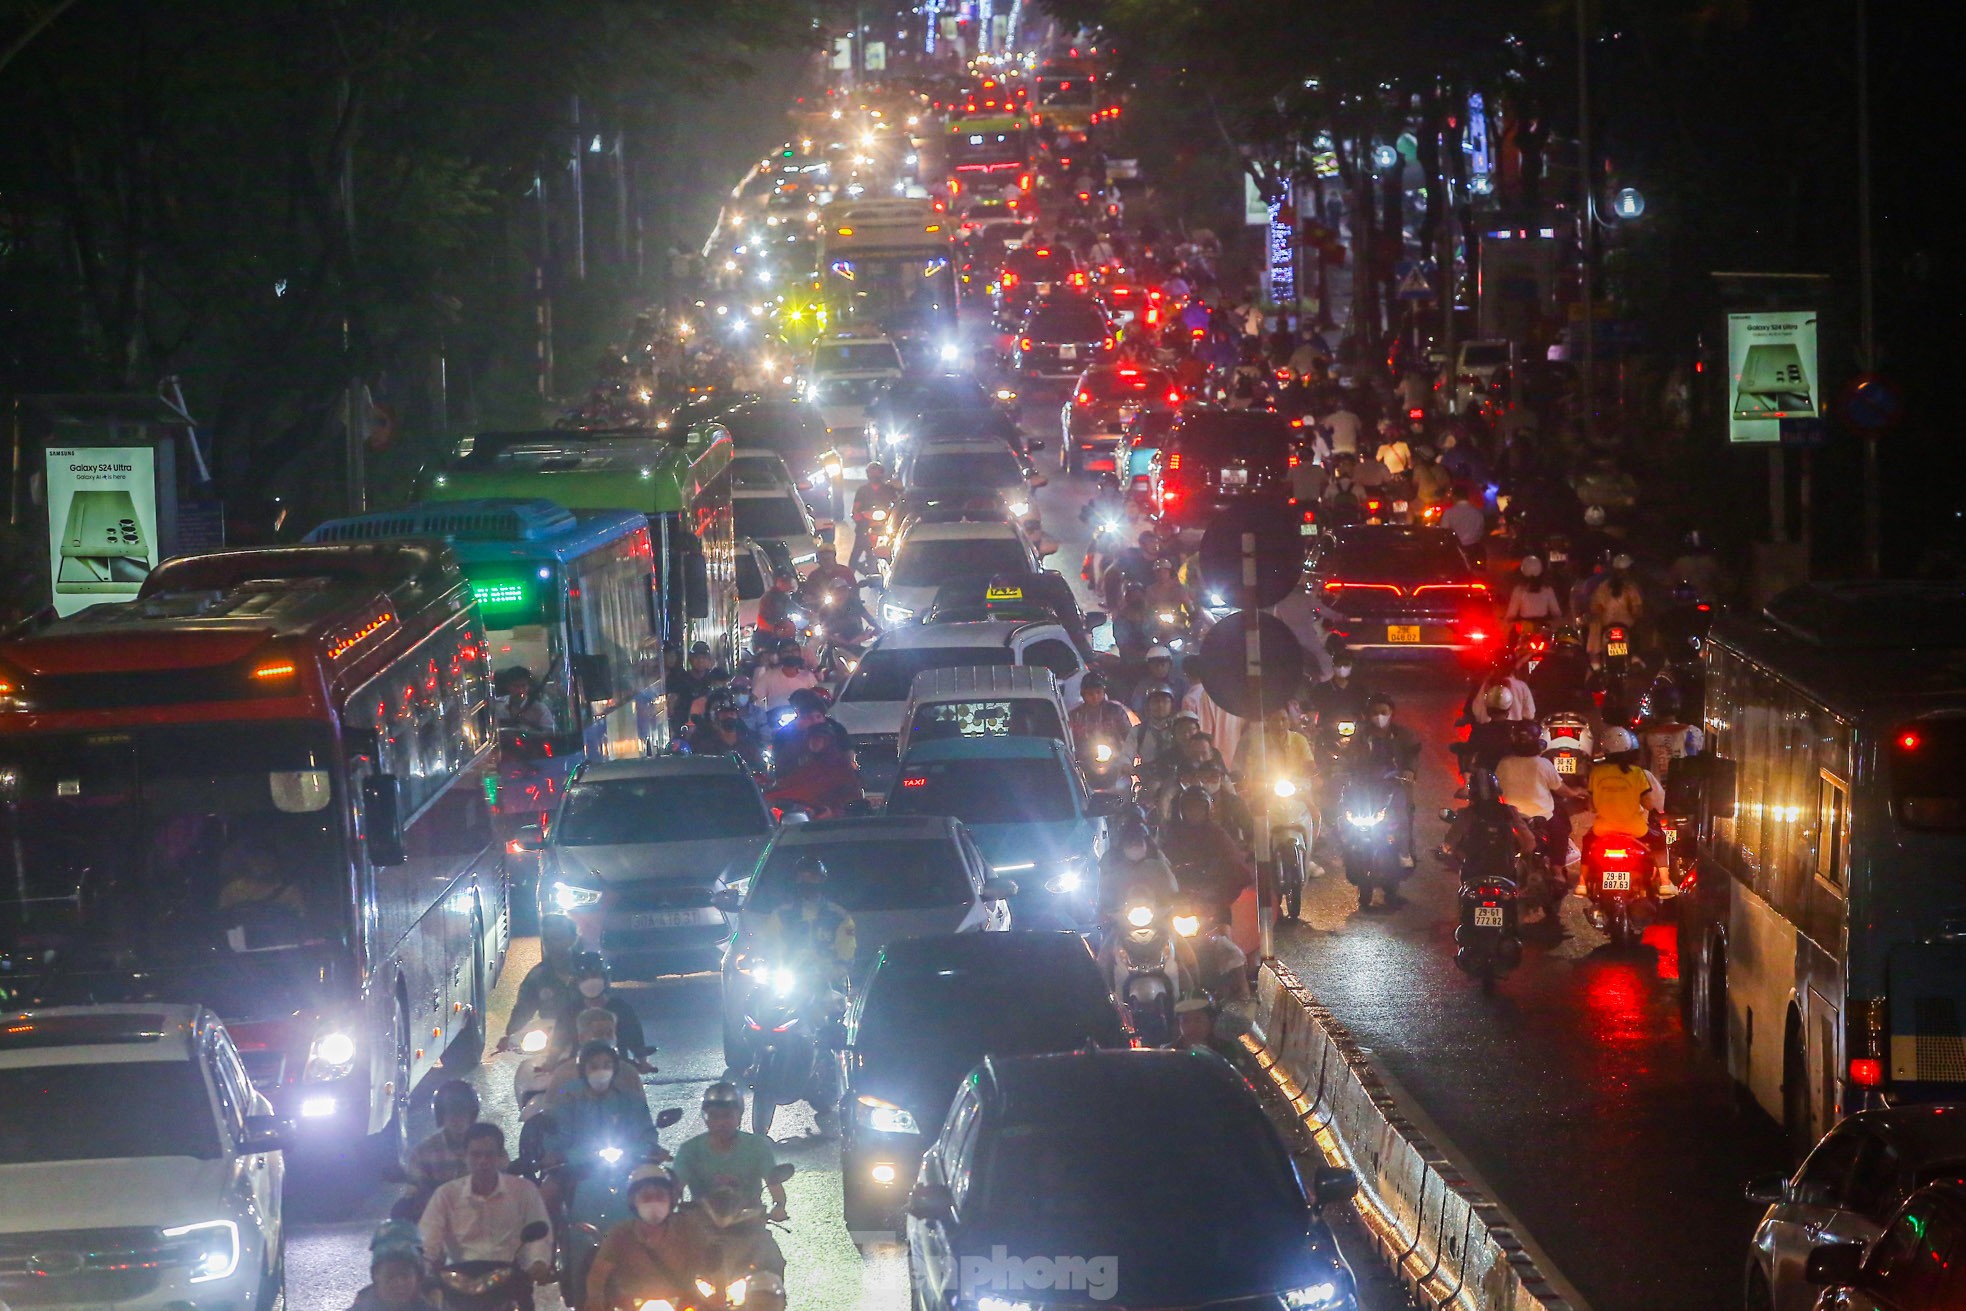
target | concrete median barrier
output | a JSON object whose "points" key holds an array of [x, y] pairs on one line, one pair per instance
{"points": [[1450, 1244]]}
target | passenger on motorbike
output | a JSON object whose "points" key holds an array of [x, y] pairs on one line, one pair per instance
{"points": [[1152, 745], [1158, 671], [1133, 862], [591, 988], [1488, 834], [481, 1216], [1520, 703], [648, 1256], [599, 1110], [596, 1024], [1490, 737], [439, 1158], [1531, 784], [724, 1156], [542, 993], [1098, 718], [1617, 600], [395, 1271], [791, 739], [1626, 798], [873, 508], [1533, 601], [1230, 810], [1663, 737]]}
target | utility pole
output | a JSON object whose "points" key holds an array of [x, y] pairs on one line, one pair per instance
{"points": [[1866, 298], [1587, 187], [579, 198], [353, 416], [1252, 654]]}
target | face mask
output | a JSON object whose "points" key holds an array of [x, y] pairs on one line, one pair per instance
{"points": [[1211, 788], [653, 1209], [1136, 853], [1381, 721], [599, 1080], [1343, 671], [592, 987], [743, 698]]}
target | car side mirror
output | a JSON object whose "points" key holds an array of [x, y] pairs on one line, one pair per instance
{"points": [[1096, 619], [999, 889], [1333, 1184], [1767, 1189], [669, 1117], [1835, 1264], [933, 1203], [529, 838], [1447, 813], [265, 1133], [727, 900], [382, 819], [781, 1174]]}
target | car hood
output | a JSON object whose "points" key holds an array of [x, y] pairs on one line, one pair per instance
{"points": [[124, 1192], [1011, 844], [864, 718], [1246, 1260], [914, 598], [701, 862], [873, 929]]}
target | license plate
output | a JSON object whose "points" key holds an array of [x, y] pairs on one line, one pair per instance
{"points": [[1617, 880], [669, 919], [1559, 557], [1403, 633], [1672, 837], [1068, 352], [1617, 648], [1399, 507], [1307, 530], [1044, 288], [1488, 917], [1235, 477], [1566, 764]]}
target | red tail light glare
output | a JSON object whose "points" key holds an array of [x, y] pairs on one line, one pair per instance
{"points": [[1910, 740], [1023, 181], [1310, 516], [1416, 413], [1024, 343], [1173, 395], [1477, 635], [1174, 461], [1296, 423], [1296, 459], [1372, 506], [1084, 398], [1616, 853], [1867, 1072], [1106, 344]]}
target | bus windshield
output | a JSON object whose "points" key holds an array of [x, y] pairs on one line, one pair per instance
{"points": [[171, 845], [892, 292]]}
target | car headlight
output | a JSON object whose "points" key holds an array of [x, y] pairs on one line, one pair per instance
{"points": [[783, 980], [612, 1155], [951, 352], [212, 1249], [1069, 878], [1365, 821], [331, 1057], [896, 614], [1003, 1304], [1020, 508], [1314, 1297], [567, 896], [886, 1117]]}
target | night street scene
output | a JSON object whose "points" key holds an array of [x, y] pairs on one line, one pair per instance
{"points": [[981, 655]]}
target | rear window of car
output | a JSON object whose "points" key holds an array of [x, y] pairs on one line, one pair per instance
{"points": [[1109, 383], [1041, 262], [1398, 557], [854, 357], [980, 470], [936, 394], [1225, 436], [1022, 790], [869, 874], [626, 811], [1066, 325], [1484, 357], [1026, 716], [1015, 1007], [887, 675]]}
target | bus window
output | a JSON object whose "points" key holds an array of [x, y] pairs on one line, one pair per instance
{"points": [[1832, 829]]}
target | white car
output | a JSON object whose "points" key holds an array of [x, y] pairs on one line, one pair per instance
{"points": [[777, 519], [847, 372], [874, 699], [927, 555], [139, 1168]]}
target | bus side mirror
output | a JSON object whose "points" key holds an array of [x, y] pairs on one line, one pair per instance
{"points": [[696, 585], [382, 819], [596, 677]]}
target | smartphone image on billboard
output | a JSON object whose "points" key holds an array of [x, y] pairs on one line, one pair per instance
{"points": [[1772, 383], [103, 547]]}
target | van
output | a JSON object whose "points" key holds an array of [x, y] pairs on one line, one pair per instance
{"points": [[980, 701]]}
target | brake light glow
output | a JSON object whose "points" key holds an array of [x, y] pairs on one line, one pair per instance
{"points": [[1909, 740], [1173, 461], [1867, 1072], [1616, 853], [1106, 344], [275, 669], [1024, 343], [1085, 398], [1173, 395], [1416, 413], [1334, 587]]}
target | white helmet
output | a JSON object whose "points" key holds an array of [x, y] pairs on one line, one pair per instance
{"points": [[1617, 740], [1499, 700], [1594, 516], [1531, 567], [1621, 561]]}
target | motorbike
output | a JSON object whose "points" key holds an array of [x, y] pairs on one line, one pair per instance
{"points": [[742, 1266], [1145, 973], [1292, 836], [1618, 881], [533, 1075], [489, 1285], [596, 1188], [1488, 941], [1170, 626], [1106, 767], [1568, 744], [1374, 836], [783, 1040]]}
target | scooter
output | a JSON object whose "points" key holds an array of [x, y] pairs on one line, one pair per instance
{"points": [[1568, 744], [741, 1264], [597, 1201], [1144, 971], [1373, 838], [783, 1040], [489, 1285], [1488, 940], [1618, 876], [1292, 837], [1107, 769]]}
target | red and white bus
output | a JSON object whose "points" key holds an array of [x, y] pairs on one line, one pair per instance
{"points": [[262, 786]]}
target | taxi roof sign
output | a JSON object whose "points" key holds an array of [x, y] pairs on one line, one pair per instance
{"points": [[1002, 592]]}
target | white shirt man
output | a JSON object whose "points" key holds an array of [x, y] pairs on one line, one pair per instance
{"points": [[480, 1216], [1530, 784], [1345, 428], [773, 685]]}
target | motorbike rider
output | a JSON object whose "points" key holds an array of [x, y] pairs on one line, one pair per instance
{"points": [[826, 780], [395, 1271], [1337, 701], [1616, 600], [543, 992], [1152, 745], [1391, 749], [600, 1108], [1157, 670], [1626, 798], [1488, 834], [813, 932], [791, 739], [481, 1215], [725, 1157], [1098, 718], [649, 1255], [832, 591], [779, 606], [1133, 862], [726, 734], [1209, 864], [591, 988], [1289, 757], [873, 507], [783, 673], [439, 1158], [1168, 595], [1663, 738], [1530, 783], [1230, 810], [1489, 737], [1533, 601]]}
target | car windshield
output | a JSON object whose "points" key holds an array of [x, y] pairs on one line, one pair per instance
{"points": [[173, 844], [757, 474], [1928, 775], [982, 470], [1218, 1164], [845, 391], [855, 356], [937, 393], [887, 675], [1041, 262], [623, 811], [995, 1008], [1066, 325], [926, 562], [790, 427], [869, 874], [1001, 791], [1485, 357], [105, 1111], [770, 516]]}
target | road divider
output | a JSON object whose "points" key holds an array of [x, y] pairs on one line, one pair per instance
{"points": [[1447, 1240]]}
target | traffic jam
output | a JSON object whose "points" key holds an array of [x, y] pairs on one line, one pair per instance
{"points": [[865, 808]]}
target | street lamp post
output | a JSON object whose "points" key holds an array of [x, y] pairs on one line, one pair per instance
{"points": [[1586, 186], [1866, 297]]}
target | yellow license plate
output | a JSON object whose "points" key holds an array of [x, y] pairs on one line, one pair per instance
{"points": [[1566, 764], [1619, 649], [1403, 633]]}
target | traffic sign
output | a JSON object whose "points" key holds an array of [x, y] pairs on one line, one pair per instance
{"points": [[1414, 286], [1225, 663], [1872, 405], [1277, 545]]}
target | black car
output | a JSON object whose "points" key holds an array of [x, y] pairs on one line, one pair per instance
{"points": [[1135, 1178], [1030, 272], [1059, 340], [794, 429], [931, 1009], [1092, 425], [1213, 459], [1918, 1265], [1403, 589], [925, 405]]}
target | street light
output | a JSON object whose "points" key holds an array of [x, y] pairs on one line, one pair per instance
{"points": [[1384, 157], [1629, 203]]}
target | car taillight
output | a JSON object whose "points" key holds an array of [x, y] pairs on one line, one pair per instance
{"points": [[1106, 344], [1023, 343], [1085, 398], [1416, 413], [1619, 852], [1296, 459], [1023, 181], [1173, 461], [1009, 281], [1173, 395], [1153, 318]]}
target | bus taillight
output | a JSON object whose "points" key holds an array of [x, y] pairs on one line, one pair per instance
{"points": [[1867, 1072]]}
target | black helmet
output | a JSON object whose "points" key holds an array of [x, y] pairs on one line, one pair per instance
{"points": [[589, 965], [556, 924], [723, 1096], [1095, 679], [454, 1096], [805, 700], [809, 869]]}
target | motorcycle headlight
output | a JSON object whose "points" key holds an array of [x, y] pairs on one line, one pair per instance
{"points": [[1314, 1297], [657, 1304], [1364, 821], [1019, 509], [612, 1155], [1003, 1304], [1283, 787], [1109, 525], [1166, 616], [1187, 925], [1103, 752], [886, 1117], [534, 1042], [737, 1292], [211, 1249], [1346, 728], [878, 516], [1140, 916], [783, 980], [331, 1057], [568, 896]]}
